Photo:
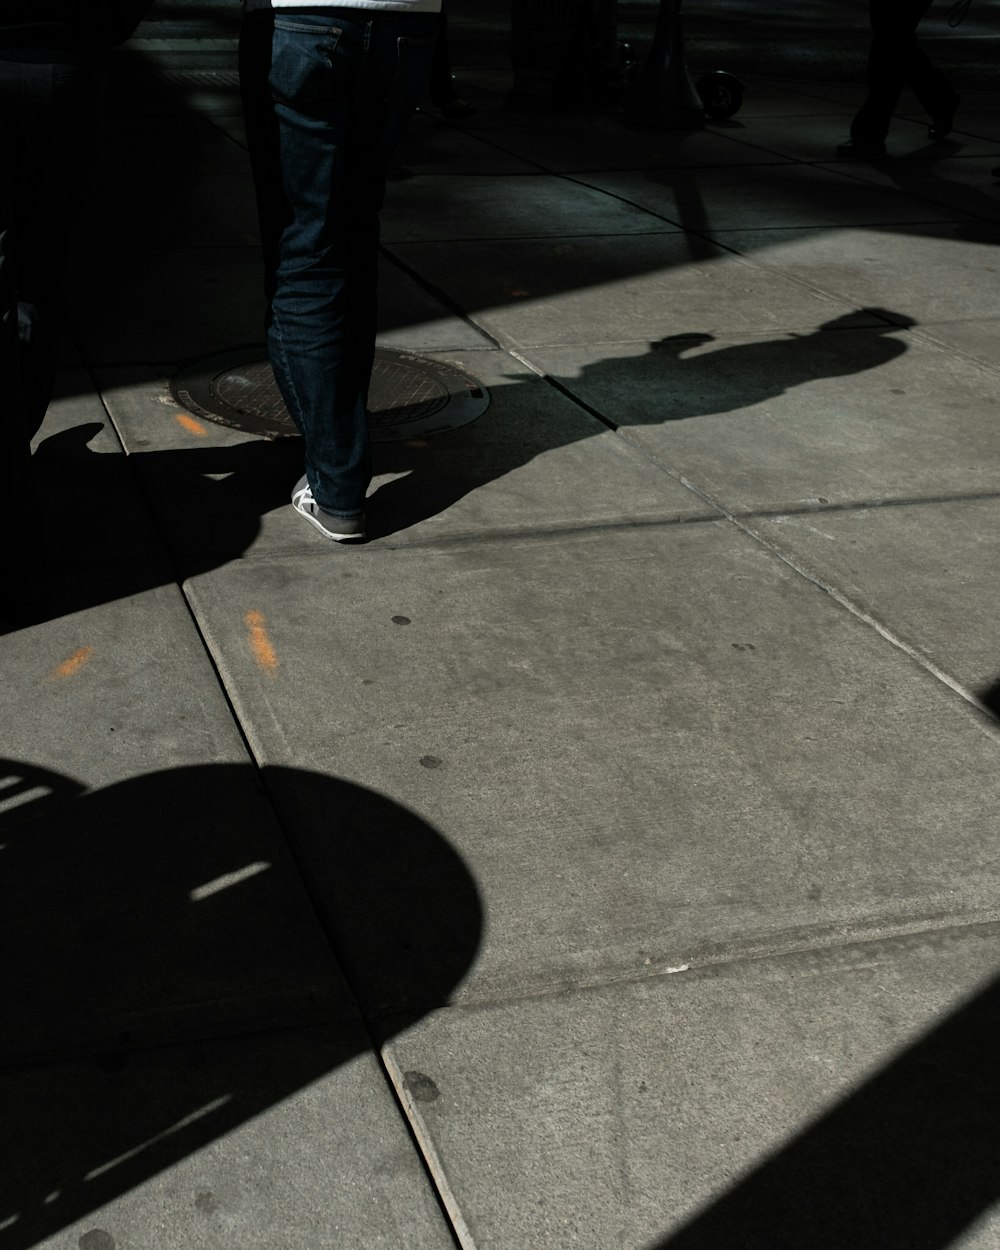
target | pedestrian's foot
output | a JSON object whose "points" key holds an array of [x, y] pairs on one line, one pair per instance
{"points": [[943, 121], [340, 529], [858, 146]]}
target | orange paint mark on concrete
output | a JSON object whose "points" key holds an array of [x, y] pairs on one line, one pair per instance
{"points": [[191, 425], [260, 644], [72, 664]]}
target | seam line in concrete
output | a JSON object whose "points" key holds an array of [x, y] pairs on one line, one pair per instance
{"points": [[446, 1203], [992, 719], [432, 1160], [761, 952], [991, 726]]}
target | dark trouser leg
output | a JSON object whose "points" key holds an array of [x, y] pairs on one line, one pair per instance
{"points": [[894, 55], [327, 93]]}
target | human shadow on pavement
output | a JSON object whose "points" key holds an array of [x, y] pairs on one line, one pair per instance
{"points": [[162, 516], [908, 1160], [187, 949], [127, 524], [664, 383]]}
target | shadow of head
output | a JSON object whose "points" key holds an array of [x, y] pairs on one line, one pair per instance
{"points": [[190, 951]]}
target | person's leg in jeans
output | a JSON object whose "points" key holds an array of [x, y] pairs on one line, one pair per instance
{"points": [[327, 92]]}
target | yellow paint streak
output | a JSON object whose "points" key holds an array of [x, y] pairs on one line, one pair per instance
{"points": [[191, 425], [72, 664], [260, 644]]}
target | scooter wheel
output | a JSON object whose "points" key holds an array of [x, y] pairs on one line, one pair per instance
{"points": [[721, 93]]}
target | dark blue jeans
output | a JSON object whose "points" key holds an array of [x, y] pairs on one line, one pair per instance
{"points": [[326, 95]]}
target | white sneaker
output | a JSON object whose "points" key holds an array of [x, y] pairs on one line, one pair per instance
{"points": [[340, 529]]}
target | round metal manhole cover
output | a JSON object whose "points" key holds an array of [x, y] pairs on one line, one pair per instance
{"points": [[410, 396]]}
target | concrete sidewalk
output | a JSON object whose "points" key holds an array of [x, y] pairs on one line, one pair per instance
{"points": [[602, 856]]}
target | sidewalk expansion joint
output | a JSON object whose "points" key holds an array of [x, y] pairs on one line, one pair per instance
{"points": [[827, 947]]}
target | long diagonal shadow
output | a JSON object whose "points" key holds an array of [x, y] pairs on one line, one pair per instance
{"points": [[907, 1162], [166, 979], [207, 501]]}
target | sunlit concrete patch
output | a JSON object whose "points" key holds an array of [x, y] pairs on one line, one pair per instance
{"points": [[533, 459], [775, 421], [129, 791], [832, 1098], [550, 291], [977, 337], [649, 744], [287, 1139], [923, 570], [928, 273]]}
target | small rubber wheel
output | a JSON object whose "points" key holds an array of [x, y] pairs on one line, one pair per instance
{"points": [[721, 93]]}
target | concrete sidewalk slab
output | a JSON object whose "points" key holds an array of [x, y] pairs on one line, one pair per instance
{"points": [[150, 895], [978, 338], [763, 423], [572, 147], [833, 1098], [963, 186], [548, 292], [769, 197], [928, 273], [432, 146], [922, 570], [647, 744], [287, 1139], [815, 138], [559, 732], [532, 461], [481, 207]]}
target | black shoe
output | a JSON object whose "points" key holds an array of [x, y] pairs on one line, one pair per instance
{"points": [[943, 121], [857, 146]]}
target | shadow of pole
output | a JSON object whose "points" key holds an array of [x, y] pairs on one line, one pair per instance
{"points": [[907, 1162], [166, 979]]}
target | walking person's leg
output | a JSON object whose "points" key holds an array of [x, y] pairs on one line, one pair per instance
{"points": [[893, 55]]}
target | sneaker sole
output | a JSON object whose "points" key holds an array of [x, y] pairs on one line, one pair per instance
{"points": [[318, 524]]}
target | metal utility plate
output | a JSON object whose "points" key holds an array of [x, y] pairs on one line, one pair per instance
{"points": [[410, 396]]}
